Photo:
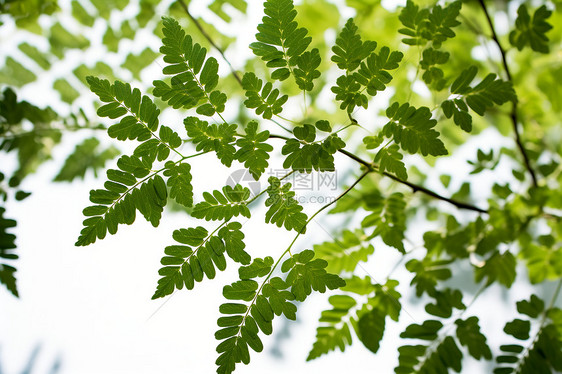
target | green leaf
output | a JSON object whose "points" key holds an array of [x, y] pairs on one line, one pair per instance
{"points": [[197, 255], [499, 267], [220, 206], [389, 220], [306, 275], [217, 138], [328, 335], [244, 290], [284, 210], [543, 262], [217, 7], [373, 72], [137, 63], [412, 129], [61, 39], [279, 298], [458, 109], [425, 25], [372, 76], [81, 14], [531, 31], [179, 182], [240, 329], [533, 308], [253, 150], [428, 273], [349, 49], [345, 252], [67, 92], [370, 329], [8, 278], [433, 75], [7, 244], [15, 74], [280, 41], [347, 90], [234, 244], [470, 336], [118, 203], [36, 55], [140, 119], [542, 356], [258, 268], [328, 338], [446, 300], [489, 92], [193, 76], [304, 154], [426, 331], [433, 359], [86, 155], [306, 71], [518, 328], [390, 160], [447, 354], [266, 100]]}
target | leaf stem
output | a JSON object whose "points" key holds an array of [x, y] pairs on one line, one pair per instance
{"points": [[541, 326], [150, 176], [288, 250], [280, 125], [513, 114]]}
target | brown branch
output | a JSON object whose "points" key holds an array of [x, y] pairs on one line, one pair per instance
{"points": [[415, 188], [210, 40], [513, 114]]}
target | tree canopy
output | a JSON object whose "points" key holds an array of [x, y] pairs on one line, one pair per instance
{"points": [[383, 100]]}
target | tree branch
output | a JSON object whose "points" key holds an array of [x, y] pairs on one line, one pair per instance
{"points": [[513, 114], [415, 188], [210, 40]]}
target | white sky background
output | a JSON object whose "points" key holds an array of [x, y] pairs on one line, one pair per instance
{"points": [[91, 306]]}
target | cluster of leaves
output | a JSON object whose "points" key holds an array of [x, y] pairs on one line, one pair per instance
{"points": [[429, 28], [199, 254], [44, 47], [88, 17], [242, 323], [282, 44], [531, 31], [367, 320], [364, 69], [193, 78], [7, 244], [543, 354], [304, 154], [489, 91]]}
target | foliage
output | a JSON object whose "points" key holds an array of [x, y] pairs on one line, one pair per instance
{"points": [[30, 133], [531, 31], [449, 238]]}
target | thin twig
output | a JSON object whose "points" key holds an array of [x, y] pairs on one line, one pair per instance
{"points": [[415, 188], [513, 114], [210, 40]]}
